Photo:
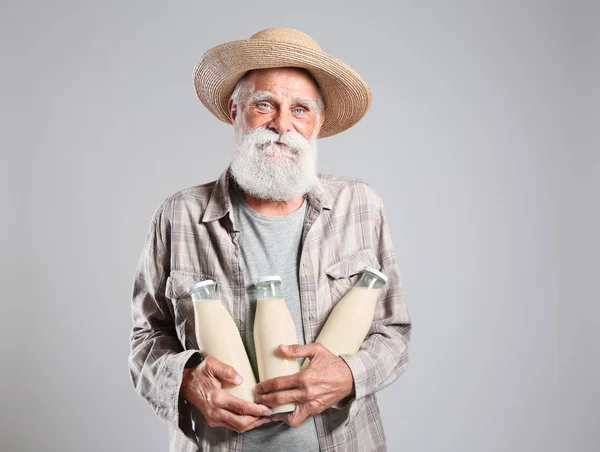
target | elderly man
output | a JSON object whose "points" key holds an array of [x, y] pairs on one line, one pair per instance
{"points": [[270, 213]]}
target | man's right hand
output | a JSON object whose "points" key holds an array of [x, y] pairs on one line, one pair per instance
{"points": [[202, 386]]}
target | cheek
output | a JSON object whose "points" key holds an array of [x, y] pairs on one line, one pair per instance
{"points": [[256, 120], [306, 128]]}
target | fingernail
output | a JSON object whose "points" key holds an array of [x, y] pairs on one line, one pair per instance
{"points": [[258, 389], [284, 348], [267, 420], [267, 413], [238, 379]]}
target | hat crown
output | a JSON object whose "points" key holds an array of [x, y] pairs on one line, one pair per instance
{"points": [[287, 35], [345, 93]]}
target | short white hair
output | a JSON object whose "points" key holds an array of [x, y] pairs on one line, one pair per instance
{"points": [[243, 87]]}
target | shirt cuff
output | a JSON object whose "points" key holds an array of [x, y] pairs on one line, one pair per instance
{"points": [[172, 376], [360, 372], [342, 404]]}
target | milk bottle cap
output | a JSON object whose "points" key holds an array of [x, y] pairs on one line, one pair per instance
{"points": [[376, 272], [263, 279], [200, 284]]}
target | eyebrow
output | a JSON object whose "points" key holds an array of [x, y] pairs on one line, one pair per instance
{"points": [[259, 96], [307, 103]]}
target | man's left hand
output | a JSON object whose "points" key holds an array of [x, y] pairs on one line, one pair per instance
{"points": [[325, 381]]}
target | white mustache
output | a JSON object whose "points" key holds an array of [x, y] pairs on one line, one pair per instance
{"points": [[273, 150], [266, 140]]}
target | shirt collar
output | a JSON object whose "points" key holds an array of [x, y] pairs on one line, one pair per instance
{"points": [[219, 203]]}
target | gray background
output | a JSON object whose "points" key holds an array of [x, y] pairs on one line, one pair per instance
{"points": [[482, 140]]}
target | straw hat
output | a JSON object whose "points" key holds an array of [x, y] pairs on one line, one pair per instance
{"points": [[346, 95]]}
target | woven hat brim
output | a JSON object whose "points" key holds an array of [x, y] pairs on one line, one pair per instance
{"points": [[346, 95]]}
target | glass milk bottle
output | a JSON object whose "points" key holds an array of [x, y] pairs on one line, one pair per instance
{"points": [[273, 326], [351, 318], [218, 336]]}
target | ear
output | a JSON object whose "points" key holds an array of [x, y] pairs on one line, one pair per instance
{"points": [[233, 110]]}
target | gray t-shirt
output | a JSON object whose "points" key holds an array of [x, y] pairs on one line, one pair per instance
{"points": [[270, 245]]}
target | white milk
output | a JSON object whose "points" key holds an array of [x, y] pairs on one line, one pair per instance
{"points": [[218, 336], [349, 321], [273, 326]]}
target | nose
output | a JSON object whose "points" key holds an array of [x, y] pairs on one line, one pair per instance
{"points": [[281, 122]]}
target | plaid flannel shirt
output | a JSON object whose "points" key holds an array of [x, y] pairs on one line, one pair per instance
{"points": [[192, 237]]}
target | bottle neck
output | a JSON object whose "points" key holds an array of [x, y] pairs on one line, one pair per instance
{"points": [[268, 290], [369, 281], [204, 293]]}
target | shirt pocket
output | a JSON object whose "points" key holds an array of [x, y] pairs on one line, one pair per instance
{"points": [[183, 306], [343, 274]]}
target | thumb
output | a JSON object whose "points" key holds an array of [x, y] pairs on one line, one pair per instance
{"points": [[224, 372], [299, 351]]}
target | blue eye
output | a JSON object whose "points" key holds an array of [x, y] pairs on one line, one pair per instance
{"points": [[298, 110], [263, 105]]}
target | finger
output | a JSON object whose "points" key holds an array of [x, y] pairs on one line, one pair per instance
{"points": [[241, 423], [280, 383], [253, 425], [242, 407], [298, 416], [293, 419], [261, 421], [229, 426], [300, 351], [223, 372], [282, 397], [281, 417]]}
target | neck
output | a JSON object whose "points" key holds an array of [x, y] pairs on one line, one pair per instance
{"points": [[274, 208]]}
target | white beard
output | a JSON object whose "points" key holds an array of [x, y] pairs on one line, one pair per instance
{"points": [[267, 171]]}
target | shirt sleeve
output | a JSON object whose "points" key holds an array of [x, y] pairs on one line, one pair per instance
{"points": [[157, 357], [383, 356]]}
